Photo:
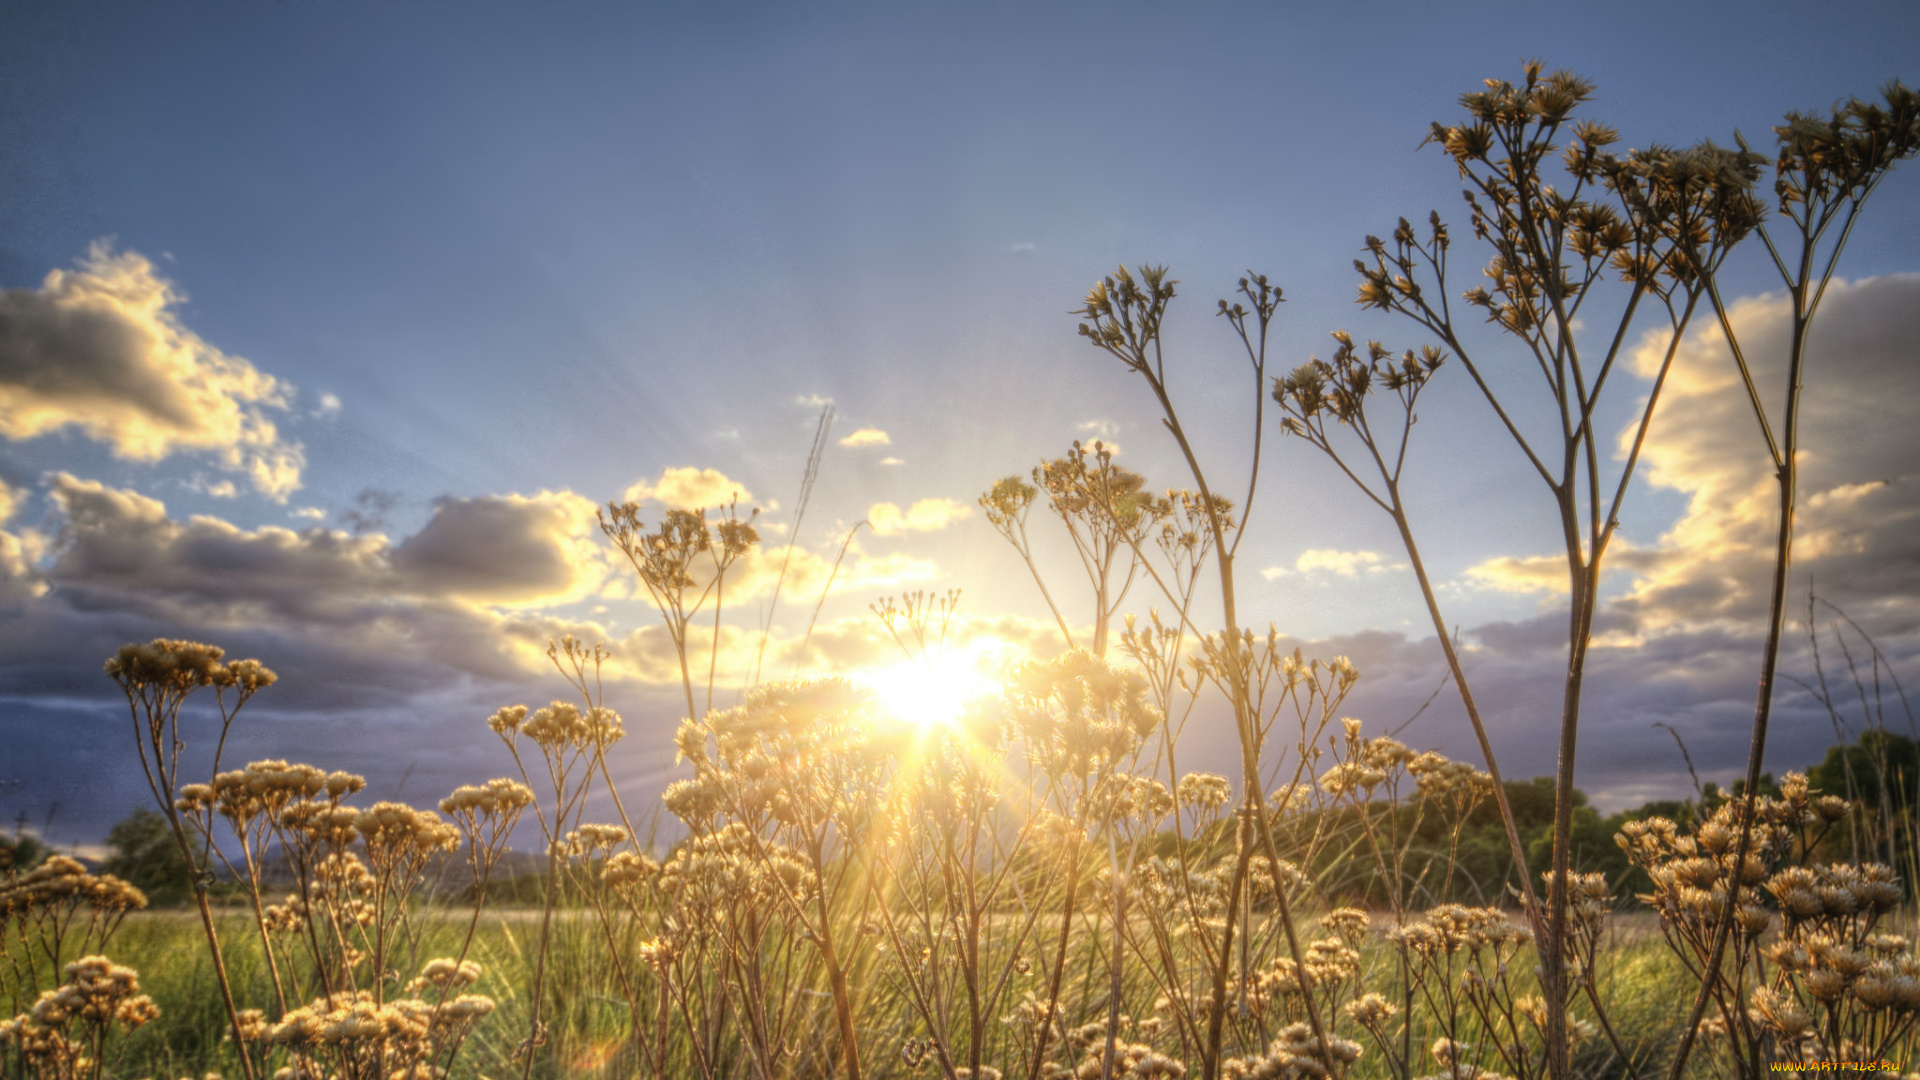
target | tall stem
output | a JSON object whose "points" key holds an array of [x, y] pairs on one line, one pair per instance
{"points": [[1511, 826]]}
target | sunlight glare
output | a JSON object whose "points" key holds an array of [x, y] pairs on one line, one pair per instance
{"points": [[926, 694]]}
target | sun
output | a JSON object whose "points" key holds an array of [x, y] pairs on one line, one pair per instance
{"points": [[929, 693]]}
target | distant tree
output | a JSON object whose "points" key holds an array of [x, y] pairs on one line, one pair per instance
{"points": [[145, 855], [1879, 770], [20, 852]]}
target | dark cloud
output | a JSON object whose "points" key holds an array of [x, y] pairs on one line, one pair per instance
{"points": [[506, 549], [369, 511]]}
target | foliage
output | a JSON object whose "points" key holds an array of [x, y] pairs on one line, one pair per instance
{"points": [[145, 855]]}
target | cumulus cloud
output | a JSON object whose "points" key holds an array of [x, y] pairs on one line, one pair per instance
{"points": [[892, 461], [689, 488], [219, 489], [867, 436], [115, 547], [1859, 485], [1333, 561], [927, 515], [1859, 481], [467, 580], [100, 349], [506, 549], [19, 581], [1546, 574], [328, 406]]}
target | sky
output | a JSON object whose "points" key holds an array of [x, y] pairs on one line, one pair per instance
{"points": [[325, 327]]}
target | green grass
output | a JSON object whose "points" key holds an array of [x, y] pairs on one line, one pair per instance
{"points": [[590, 1022]]}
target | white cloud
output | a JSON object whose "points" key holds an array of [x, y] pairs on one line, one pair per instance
{"points": [[328, 408], [867, 436], [219, 489], [1343, 563], [100, 349], [1546, 574], [813, 401], [892, 461], [927, 515], [1325, 561], [19, 580], [689, 488], [308, 513]]}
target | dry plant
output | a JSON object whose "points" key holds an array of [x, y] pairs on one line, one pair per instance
{"points": [[1831, 984], [1824, 172], [48, 913], [353, 997]]}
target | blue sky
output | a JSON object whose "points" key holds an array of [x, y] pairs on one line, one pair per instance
{"points": [[496, 251]]}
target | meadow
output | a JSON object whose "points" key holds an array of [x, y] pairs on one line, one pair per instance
{"points": [[1032, 886]]}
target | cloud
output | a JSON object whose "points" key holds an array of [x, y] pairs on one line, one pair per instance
{"points": [[328, 407], [369, 510], [813, 401], [1859, 501], [892, 461], [100, 349], [506, 550], [689, 488], [115, 549], [1099, 429], [19, 581], [1332, 561], [1522, 574], [927, 515], [1022, 246], [218, 489], [867, 436], [1323, 561], [308, 513], [1859, 481], [119, 548]]}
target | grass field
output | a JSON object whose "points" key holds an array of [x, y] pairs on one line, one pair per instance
{"points": [[590, 1020]]}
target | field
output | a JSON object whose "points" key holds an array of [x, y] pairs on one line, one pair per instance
{"points": [[589, 1018]]}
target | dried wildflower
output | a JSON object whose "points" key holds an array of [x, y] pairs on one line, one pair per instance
{"points": [[1205, 793], [446, 974], [495, 798], [1371, 1010]]}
